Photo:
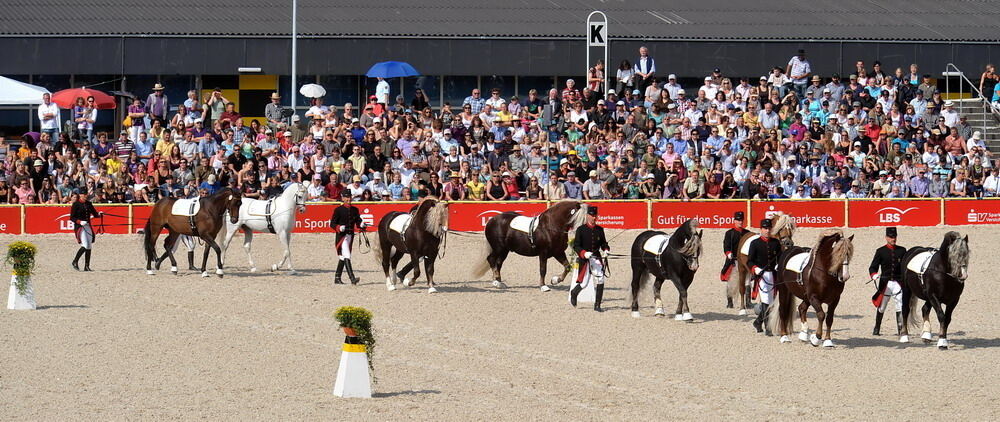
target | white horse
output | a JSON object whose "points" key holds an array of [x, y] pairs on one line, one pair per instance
{"points": [[276, 215]]}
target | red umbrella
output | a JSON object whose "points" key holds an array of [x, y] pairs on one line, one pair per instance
{"points": [[67, 98]]}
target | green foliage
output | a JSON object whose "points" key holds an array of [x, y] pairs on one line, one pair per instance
{"points": [[360, 320], [21, 256]]}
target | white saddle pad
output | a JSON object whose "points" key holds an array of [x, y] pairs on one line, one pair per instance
{"points": [[400, 222], [523, 224], [745, 250], [186, 207], [260, 208], [656, 244], [797, 262], [919, 262]]}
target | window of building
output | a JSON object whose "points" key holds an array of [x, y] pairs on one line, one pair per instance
{"points": [[456, 88]]}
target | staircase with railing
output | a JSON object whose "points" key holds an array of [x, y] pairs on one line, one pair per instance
{"points": [[970, 103]]}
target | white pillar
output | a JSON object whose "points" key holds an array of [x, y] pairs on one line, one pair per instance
{"points": [[353, 378], [17, 301]]}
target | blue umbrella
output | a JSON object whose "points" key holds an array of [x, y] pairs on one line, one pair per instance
{"points": [[391, 69]]}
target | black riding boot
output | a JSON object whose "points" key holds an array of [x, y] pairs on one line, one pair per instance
{"points": [[729, 303], [86, 260], [350, 272], [574, 293], [877, 331], [76, 260], [899, 322], [191, 261], [340, 271], [598, 297], [758, 323]]}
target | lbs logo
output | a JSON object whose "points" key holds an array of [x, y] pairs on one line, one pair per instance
{"points": [[892, 214], [64, 223]]}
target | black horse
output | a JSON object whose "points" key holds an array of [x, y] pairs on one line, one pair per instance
{"points": [[664, 256], [940, 285], [419, 233], [548, 239]]}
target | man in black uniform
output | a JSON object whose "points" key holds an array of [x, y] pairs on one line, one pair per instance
{"points": [[888, 261], [762, 259], [730, 242], [345, 220], [80, 214], [590, 246]]}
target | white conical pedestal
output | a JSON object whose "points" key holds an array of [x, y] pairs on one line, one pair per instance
{"points": [[19, 301], [353, 378], [587, 295]]}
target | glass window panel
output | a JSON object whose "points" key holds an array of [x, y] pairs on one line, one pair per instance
{"points": [[429, 84], [53, 83], [14, 122], [504, 83], [394, 87], [340, 89], [99, 82], [456, 88], [540, 83], [175, 87]]}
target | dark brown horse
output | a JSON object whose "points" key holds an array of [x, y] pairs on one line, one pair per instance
{"points": [[205, 224], [782, 228], [419, 233], [817, 276], [663, 256], [940, 285], [547, 239]]}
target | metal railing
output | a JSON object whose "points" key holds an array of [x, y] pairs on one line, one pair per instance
{"points": [[985, 109]]}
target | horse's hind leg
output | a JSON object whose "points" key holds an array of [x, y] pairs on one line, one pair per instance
{"points": [[657, 301], [154, 234], [926, 314], [827, 341], [415, 263], [169, 243], [803, 313], [247, 245], [401, 274], [542, 268], [637, 274], [496, 258]]}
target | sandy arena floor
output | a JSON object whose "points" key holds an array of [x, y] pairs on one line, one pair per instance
{"points": [[117, 344]]}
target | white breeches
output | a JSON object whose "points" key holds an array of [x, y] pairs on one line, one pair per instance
{"points": [[895, 291], [188, 242], [344, 247], [85, 236], [591, 271], [766, 287]]}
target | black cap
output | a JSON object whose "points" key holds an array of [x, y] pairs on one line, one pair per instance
{"points": [[716, 70], [738, 216], [345, 193], [592, 210], [835, 75], [890, 232], [766, 223]]}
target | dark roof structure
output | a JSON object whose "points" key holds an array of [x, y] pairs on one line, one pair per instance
{"points": [[950, 21]]}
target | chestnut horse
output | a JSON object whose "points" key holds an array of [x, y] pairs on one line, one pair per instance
{"points": [[205, 224], [818, 277], [945, 270], [782, 228], [423, 232], [548, 239]]}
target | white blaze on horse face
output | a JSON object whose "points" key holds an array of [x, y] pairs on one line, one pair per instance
{"points": [[845, 273], [230, 198]]}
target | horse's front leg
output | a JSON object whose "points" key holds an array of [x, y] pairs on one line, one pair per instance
{"points": [[286, 241], [542, 268], [830, 309], [820, 316], [657, 302], [566, 267], [247, 246], [415, 262], [683, 312], [429, 267], [210, 243], [803, 314]]}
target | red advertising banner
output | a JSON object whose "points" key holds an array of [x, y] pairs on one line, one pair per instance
{"points": [[959, 212], [814, 213], [621, 215], [115, 223], [472, 216], [47, 219], [710, 214], [316, 219], [10, 220], [875, 213]]}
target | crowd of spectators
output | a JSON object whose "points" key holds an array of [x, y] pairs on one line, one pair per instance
{"points": [[792, 133]]}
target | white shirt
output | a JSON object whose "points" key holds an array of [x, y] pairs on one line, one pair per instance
{"points": [[294, 163], [973, 142], [799, 67], [50, 108], [406, 176], [709, 90], [768, 121], [950, 117], [85, 125], [496, 104], [382, 92], [991, 185], [673, 88], [318, 111]]}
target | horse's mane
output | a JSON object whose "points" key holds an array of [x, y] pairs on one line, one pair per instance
{"points": [[577, 219], [436, 215], [841, 250], [780, 221], [684, 239], [957, 249]]}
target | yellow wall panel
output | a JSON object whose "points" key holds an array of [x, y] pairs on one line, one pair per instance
{"points": [[259, 82]]}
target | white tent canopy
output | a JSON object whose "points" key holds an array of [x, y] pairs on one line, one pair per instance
{"points": [[14, 92]]}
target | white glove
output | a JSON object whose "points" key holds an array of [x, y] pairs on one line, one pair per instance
{"points": [[606, 252], [729, 255], [342, 227], [587, 255], [758, 271], [83, 223]]}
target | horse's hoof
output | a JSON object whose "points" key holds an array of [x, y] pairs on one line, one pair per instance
{"points": [[254, 269], [742, 312], [274, 267], [432, 290], [409, 282], [927, 336], [150, 272], [659, 312], [828, 343], [904, 339], [498, 284], [218, 271], [173, 270], [678, 317], [687, 316], [942, 344], [813, 340], [784, 339], [390, 287], [555, 280], [636, 314], [204, 273], [544, 288]]}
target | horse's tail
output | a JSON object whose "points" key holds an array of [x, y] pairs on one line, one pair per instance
{"points": [[147, 240], [377, 247], [482, 265], [735, 279], [635, 293], [916, 318], [779, 316]]}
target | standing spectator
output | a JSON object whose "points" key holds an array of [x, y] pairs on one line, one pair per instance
{"points": [[273, 111], [626, 78], [137, 113], [48, 115], [156, 105], [645, 69], [85, 114], [217, 106], [799, 70], [382, 91], [475, 101]]}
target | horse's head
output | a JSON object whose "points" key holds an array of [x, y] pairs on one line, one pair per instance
{"points": [[568, 214], [435, 213], [691, 247], [783, 228], [233, 202], [842, 253], [958, 255], [300, 195]]}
